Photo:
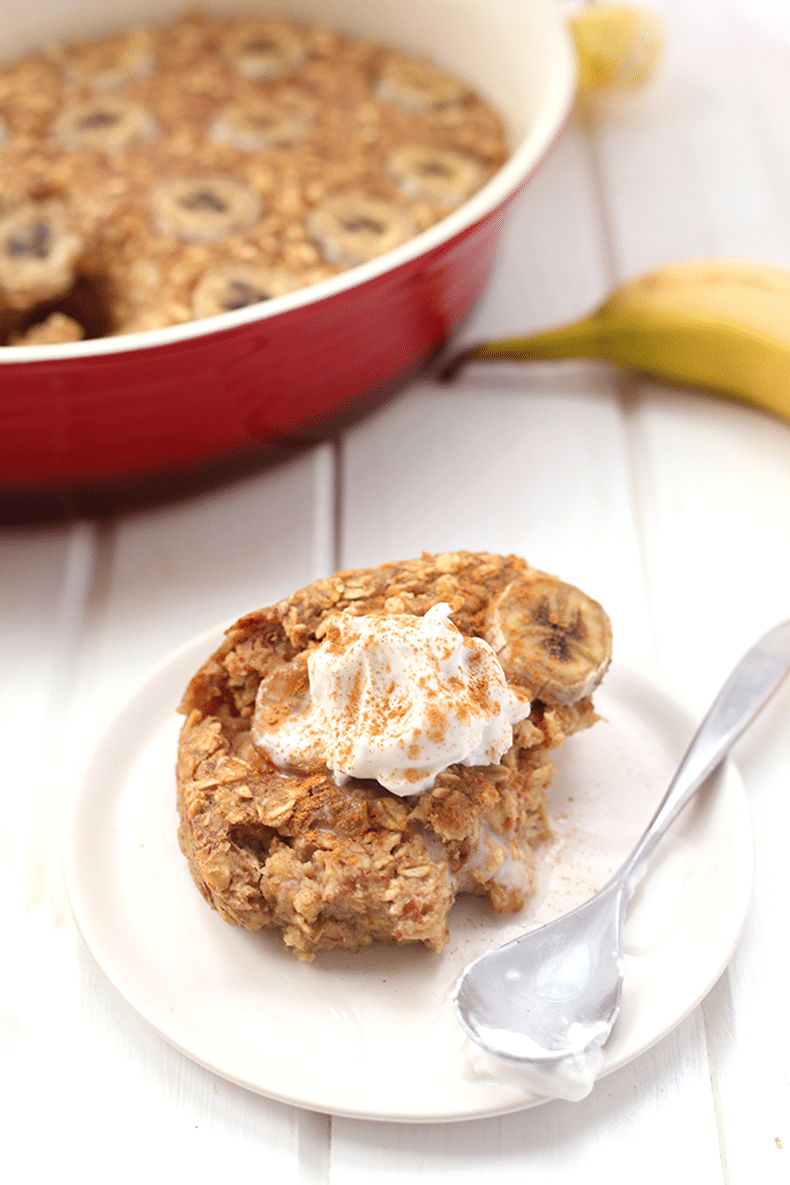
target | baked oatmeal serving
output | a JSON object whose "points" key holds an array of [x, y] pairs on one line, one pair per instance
{"points": [[165, 174], [359, 754]]}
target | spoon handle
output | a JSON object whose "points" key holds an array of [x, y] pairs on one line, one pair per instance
{"points": [[748, 688]]}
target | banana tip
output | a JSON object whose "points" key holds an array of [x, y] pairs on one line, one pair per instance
{"points": [[449, 368]]}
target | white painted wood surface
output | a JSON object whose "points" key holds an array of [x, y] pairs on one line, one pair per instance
{"points": [[673, 508]]}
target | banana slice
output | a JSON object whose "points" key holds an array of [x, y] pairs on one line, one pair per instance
{"points": [[259, 124], [264, 48], [236, 287], [435, 174], [417, 85], [38, 252], [617, 47], [54, 330], [104, 124], [104, 65], [552, 639], [351, 230], [200, 209]]}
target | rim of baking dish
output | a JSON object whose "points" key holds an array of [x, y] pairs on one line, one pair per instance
{"points": [[523, 161]]}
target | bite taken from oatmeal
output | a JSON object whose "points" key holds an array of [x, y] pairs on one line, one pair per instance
{"points": [[359, 754]]}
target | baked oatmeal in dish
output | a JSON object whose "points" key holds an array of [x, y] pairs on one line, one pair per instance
{"points": [[360, 753], [166, 174]]}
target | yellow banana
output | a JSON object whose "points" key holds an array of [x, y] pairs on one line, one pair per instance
{"points": [[722, 325], [617, 47]]}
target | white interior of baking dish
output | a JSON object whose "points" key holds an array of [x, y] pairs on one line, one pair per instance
{"points": [[515, 53]]}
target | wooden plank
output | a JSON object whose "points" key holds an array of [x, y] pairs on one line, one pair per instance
{"points": [[695, 165], [748, 1043], [713, 480], [41, 606], [111, 600], [702, 162]]}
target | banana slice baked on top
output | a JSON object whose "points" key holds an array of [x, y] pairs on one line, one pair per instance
{"points": [[211, 142], [360, 753]]}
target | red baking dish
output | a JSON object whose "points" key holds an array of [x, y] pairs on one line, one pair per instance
{"points": [[145, 402]]}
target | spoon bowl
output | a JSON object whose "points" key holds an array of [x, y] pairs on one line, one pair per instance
{"points": [[553, 994]]}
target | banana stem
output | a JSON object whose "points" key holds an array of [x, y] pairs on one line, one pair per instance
{"points": [[586, 339]]}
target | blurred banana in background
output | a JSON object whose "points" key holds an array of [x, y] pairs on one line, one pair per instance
{"points": [[617, 48], [718, 324]]}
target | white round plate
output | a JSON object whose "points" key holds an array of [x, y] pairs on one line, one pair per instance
{"points": [[373, 1035]]}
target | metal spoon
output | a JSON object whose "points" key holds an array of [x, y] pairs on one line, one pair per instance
{"points": [[555, 992]]}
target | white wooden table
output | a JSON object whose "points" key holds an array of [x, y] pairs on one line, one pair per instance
{"points": [[672, 508]]}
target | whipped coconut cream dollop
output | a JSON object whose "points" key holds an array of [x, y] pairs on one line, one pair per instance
{"points": [[395, 698]]}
